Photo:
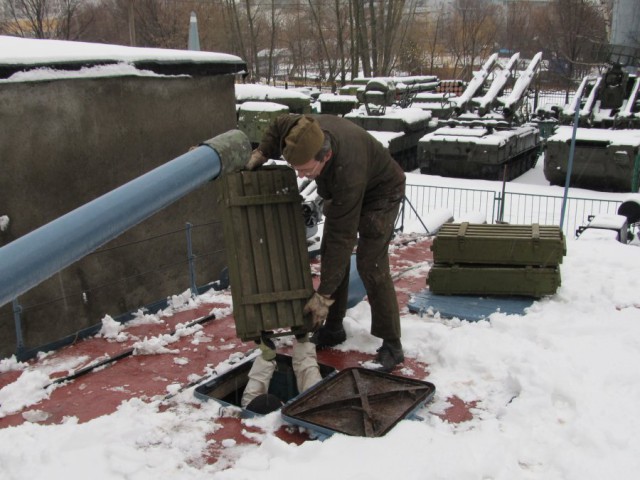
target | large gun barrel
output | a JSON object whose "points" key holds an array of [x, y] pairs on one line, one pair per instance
{"points": [[36, 256]]}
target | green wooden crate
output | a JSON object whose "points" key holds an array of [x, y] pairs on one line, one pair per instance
{"points": [[267, 253], [484, 244], [484, 280]]}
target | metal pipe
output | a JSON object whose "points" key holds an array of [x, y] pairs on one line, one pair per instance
{"points": [[572, 151], [32, 258], [191, 258], [17, 311]]}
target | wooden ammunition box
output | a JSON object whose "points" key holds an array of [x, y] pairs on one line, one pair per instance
{"points": [[485, 244], [267, 255], [485, 280]]}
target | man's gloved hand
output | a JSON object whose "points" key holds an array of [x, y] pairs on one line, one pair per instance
{"points": [[257, 159], [318, 306]]}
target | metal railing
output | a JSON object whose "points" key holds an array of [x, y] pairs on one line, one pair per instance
{"points": [[513, 208], [182, 264]]}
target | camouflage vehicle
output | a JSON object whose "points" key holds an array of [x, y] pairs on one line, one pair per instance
{"points": [[487, 136], [397, 128], [603, 159], [298, 102], [255, 117], [337, 104], [490, 151], [606, 148]]}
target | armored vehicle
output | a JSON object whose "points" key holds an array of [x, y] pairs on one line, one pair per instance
{"points": [[255, 117], [337, 104], [297, 102], [397, 128], [491, 151], [487, 136], [606, 152], [603, 159]]}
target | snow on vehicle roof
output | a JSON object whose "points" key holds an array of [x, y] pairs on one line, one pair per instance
{"points": [[385, 137], [247, 91], [613, 137], [330, 97], [408, 115], [476, 135], [263, 107]]}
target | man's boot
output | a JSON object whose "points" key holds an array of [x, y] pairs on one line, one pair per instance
{"points": [[390, 355]]}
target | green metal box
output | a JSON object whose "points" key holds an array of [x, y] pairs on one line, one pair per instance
{"points": [[485, 244], [510, 281], [264, 233]]}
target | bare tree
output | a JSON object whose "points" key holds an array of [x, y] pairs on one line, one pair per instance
{"points": [[567, 31], [434, 31], [516, 29], [472, 33], [58, 19], [361, 33]]}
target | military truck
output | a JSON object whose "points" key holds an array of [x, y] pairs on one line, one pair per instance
{"points": [[606, 141], [488, 136]]}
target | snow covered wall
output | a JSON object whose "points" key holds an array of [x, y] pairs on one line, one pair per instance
{"points": [[79, 120]]}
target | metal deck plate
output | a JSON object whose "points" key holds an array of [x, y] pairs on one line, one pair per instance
{"points": [[359, 402]]}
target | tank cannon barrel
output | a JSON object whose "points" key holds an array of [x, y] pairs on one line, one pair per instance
{"points": [[36, 256]]}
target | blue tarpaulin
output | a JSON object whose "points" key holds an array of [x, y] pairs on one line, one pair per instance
{"points": [[467, 307]]}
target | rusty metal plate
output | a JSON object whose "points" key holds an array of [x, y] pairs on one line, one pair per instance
{"points": [[358, 402]]}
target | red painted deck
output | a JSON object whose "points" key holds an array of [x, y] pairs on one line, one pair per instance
{"points": [[100, 391]]}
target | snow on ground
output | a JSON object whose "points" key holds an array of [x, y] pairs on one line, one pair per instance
{"points": [[557, 392]]}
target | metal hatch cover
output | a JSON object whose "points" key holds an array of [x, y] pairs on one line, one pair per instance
{"points": [[359, 402]]}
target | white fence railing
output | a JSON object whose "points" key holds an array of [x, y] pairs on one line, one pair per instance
{"points": [[518, 208]]}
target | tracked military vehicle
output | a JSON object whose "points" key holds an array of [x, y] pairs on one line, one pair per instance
{"points": [[398, 129], [255, 117], [487, 137], [606, 152]]}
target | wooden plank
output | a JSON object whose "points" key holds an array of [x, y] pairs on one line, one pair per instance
{"points": [[266, 245]]}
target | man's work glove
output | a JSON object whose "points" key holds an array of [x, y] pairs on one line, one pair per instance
{"points": [[257, 160], [318, 306]]}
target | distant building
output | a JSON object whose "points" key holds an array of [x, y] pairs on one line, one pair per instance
{"points": [[625, 32]]}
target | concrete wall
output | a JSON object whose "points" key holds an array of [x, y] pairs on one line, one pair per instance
{"points": [[66, 142]]}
